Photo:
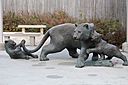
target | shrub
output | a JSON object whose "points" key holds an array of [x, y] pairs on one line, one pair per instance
{"points": [[111, 29], [12, 20]]}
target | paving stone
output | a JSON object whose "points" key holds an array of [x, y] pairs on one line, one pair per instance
{"points": [[59, 71]]}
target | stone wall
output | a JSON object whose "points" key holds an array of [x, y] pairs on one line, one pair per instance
{"points": [[31, 38]]}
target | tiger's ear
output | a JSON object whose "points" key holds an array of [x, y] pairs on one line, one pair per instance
{"points": [[92, 26], [76, 24], [5, 41], [86, 25]]}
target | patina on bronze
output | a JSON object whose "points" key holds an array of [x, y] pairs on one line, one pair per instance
{"points": [[91, 42], [15, 51], [61, 37]]}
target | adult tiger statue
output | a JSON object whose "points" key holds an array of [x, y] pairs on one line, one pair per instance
{"points": [[61, 37]]}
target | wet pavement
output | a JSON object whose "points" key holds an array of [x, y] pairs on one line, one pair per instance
{"points": [[59, 70]]}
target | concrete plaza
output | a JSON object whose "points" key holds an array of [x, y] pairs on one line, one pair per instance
{"points": [[60, 70]]}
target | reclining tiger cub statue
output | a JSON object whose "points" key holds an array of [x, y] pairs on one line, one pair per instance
{"points": [[16, 52]]}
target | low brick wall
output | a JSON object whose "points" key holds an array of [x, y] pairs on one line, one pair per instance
{"points": [[31, 38]]}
